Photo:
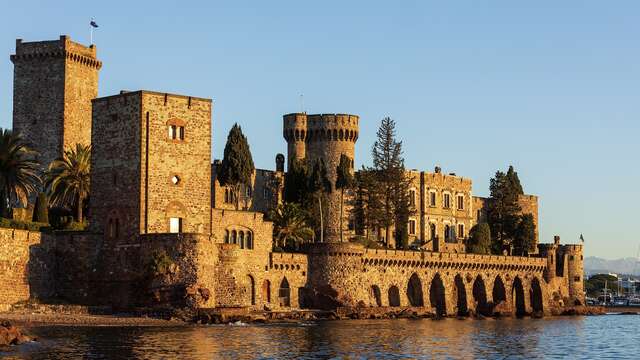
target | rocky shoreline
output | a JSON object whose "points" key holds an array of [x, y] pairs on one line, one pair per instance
{"points": [[12, 335]]}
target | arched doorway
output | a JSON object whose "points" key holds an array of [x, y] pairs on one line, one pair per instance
{"points": [[436, 296], [252, 289], [480, 297], [517, 295], [266, 291], [499, 294], [284, 293], [414, 291], [461, 296], [377, 296], [394, 296], [536, 296]]}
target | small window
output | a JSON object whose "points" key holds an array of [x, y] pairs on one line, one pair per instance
{"points": [[461, 231], [172, 132], [181, 132], [176, 132], [226, 236], [175, 179], [447, 232], [249, 240], [432, 198], [447, 201], [576, 279], [412, 197], [175, 225], [571, 258], [460, 202], [412, 227]]}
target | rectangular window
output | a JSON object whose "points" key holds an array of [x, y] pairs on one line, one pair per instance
{"points": [[412, 197], [461, 231], [432, 197], [447, 201], [181, 132], [172, 132], [412, 227], [460, 202], [175, 225]]}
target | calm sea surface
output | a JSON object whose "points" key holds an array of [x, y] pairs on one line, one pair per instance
{"points": [[611, 337]]}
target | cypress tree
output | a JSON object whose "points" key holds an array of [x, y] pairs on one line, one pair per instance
{"points": [[236, 170], [41, 209], [525, 235], [503, 211], [295, 182], [479, 239]]}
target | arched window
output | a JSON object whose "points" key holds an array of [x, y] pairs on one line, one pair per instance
{"points": [[241, 239], [226, 236], [234, 236], [432, 228], [249, 240], [447, 232]]}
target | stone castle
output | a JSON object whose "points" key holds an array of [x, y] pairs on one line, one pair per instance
{"points": [[155, 199]]}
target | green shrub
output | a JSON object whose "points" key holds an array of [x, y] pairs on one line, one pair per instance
{"points": [[160, 263], [23, 225], [41, 209], [75, 226]]}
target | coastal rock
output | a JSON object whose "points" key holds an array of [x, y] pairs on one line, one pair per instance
{"points": [[11, 335]]}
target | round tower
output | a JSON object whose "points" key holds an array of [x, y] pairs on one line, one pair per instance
{"points": [[295, 132], [575, 273], [323, 137]]}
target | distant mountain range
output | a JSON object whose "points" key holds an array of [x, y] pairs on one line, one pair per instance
{"points": [[596, 265]]}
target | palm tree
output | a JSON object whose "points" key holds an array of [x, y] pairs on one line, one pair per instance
{"points": [[68, 179], [18, 170], [290, 224]]}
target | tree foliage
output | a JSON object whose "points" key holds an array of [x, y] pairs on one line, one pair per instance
{"points": [[290, 225], [479, 239], [68, 179], [525, 235], [503, 209], [19, 172], [344, 181], [383, 199], [295, 182], [318, 188], [236, 170], [595, 284]]}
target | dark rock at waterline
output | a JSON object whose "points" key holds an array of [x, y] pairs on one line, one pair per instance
{"points": [[11, 335]]}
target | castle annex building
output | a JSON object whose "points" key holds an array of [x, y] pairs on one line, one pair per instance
{"points": [[155, 194]]}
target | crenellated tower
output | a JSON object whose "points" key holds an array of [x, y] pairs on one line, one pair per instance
{"points": [[323, 137], [54, 83]]}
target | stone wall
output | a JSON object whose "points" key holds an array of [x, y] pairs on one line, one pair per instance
{"points": [[266, 191]]}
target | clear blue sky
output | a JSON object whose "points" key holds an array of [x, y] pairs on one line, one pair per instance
{"points": [[551, 87]]}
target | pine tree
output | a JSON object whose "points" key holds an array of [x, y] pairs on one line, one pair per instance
{"points": [[237, 166], [525, 235], [514, 181], [392, 182], [479, 239], [344, 180], [503, 210]]}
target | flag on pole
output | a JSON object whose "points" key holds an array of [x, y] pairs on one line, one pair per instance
{"points": [[581, 238], [93, 24]]}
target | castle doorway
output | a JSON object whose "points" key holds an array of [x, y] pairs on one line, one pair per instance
{"points": [[436, 296], [414, 291], [498, 293], [480, 297], [284, 293], [252, 289], [266, 291], [394, 296], [517, 295], [377, 296], [461, 296], [536, 295]]}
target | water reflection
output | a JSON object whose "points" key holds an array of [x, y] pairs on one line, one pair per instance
{"points": [[605, 336]]}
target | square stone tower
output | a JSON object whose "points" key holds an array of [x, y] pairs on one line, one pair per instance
{"points": [[53, 85], [151, 165]]}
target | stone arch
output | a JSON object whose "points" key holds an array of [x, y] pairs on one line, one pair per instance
{"points": [[437, 296], [284, 293], [266, 291], [377, 296], [498, 294], [480, 296], [394, 296], [414, 291], [252, 290], [535, 294], [461, 296], [517, 296]]}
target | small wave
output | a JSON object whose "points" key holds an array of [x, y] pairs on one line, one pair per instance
{"points": [[238, 323]]}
